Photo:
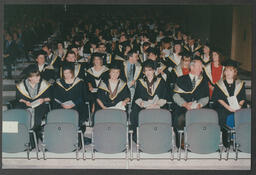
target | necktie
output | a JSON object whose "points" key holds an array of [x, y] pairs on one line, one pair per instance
{"points": [[193, 82], [131, 72]]}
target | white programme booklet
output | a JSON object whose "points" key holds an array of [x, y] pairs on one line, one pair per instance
{"points": [[10, 127], [233, 103], [66, 103], [35, 103], [118, 106]]}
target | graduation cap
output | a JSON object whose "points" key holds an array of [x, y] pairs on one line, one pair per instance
{"points": [[149, 63], [39, 52], [152, 50], [207, 44], [230, 62], [115, 66], [67, 66], [176, 42], [186, 53], [166, 40], [97, 54], [197, 58]]}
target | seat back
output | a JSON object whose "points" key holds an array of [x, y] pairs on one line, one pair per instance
{"points": [[203, 138], [201, 116], [110, 137], [155, 116], [202, 132], [155, 131], [243, 129], [63, 116], [15, 136], [110, 115], [110, 131], [60, 137]]}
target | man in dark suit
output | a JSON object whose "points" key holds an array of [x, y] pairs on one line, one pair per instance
{"points": [[190, 92], [10, 53]]}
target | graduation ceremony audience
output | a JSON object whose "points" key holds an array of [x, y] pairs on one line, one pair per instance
{"points": [[113, 63]]}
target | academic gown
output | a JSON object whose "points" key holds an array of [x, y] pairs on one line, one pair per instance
{"points": [[47, 73], [137, 72], [183, 87], [222, 92], [197, 47], [170, 61], [92, 78], [205, 62], [172, 78], [159, 64], [79, 71], [103, 94], [55, 62], [141, 91], [77, 92], [44, 91], [209, 75]]}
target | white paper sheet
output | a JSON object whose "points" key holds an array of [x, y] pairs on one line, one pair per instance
{"points": [[233, 103], [10, 127], [35, 103], [118, 106]]}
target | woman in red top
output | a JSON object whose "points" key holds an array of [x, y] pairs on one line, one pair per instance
{"points": [[214, 69]]}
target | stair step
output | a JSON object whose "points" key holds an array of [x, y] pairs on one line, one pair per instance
{"points": [[9, 87], [248, 93], [8, 82], [9, 93], [6, 99], [4, 108]]}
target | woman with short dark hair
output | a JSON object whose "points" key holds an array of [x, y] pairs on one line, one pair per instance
{"points": [[113, 90], [70, 92], [150, 92]]}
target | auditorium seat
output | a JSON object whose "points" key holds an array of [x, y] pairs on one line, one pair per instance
{"points": [[61, 135], [202, 134], [110, 134], [155, 135], [16, 141], [242, 131]]}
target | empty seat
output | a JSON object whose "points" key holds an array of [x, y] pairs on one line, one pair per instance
{"points": [[16, 132], [61, 132], [155, 133], [202, 132], [243, 131], [110, 132]]}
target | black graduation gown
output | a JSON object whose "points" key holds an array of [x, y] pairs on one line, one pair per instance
{"points": [[91, 78], [172, 78], [137, 72], [55, 62], [197, 47], [208, 72], [77, 92], [44, 91], [205, 62], [183, 87], [47, 73], [170, 62], [141, 91], [222, 92], [159, 64], [79, 71], [103, 94]]}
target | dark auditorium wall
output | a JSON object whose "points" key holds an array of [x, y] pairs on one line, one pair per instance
{"points": [[210, 22], [221, 28], [241, 49]]}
